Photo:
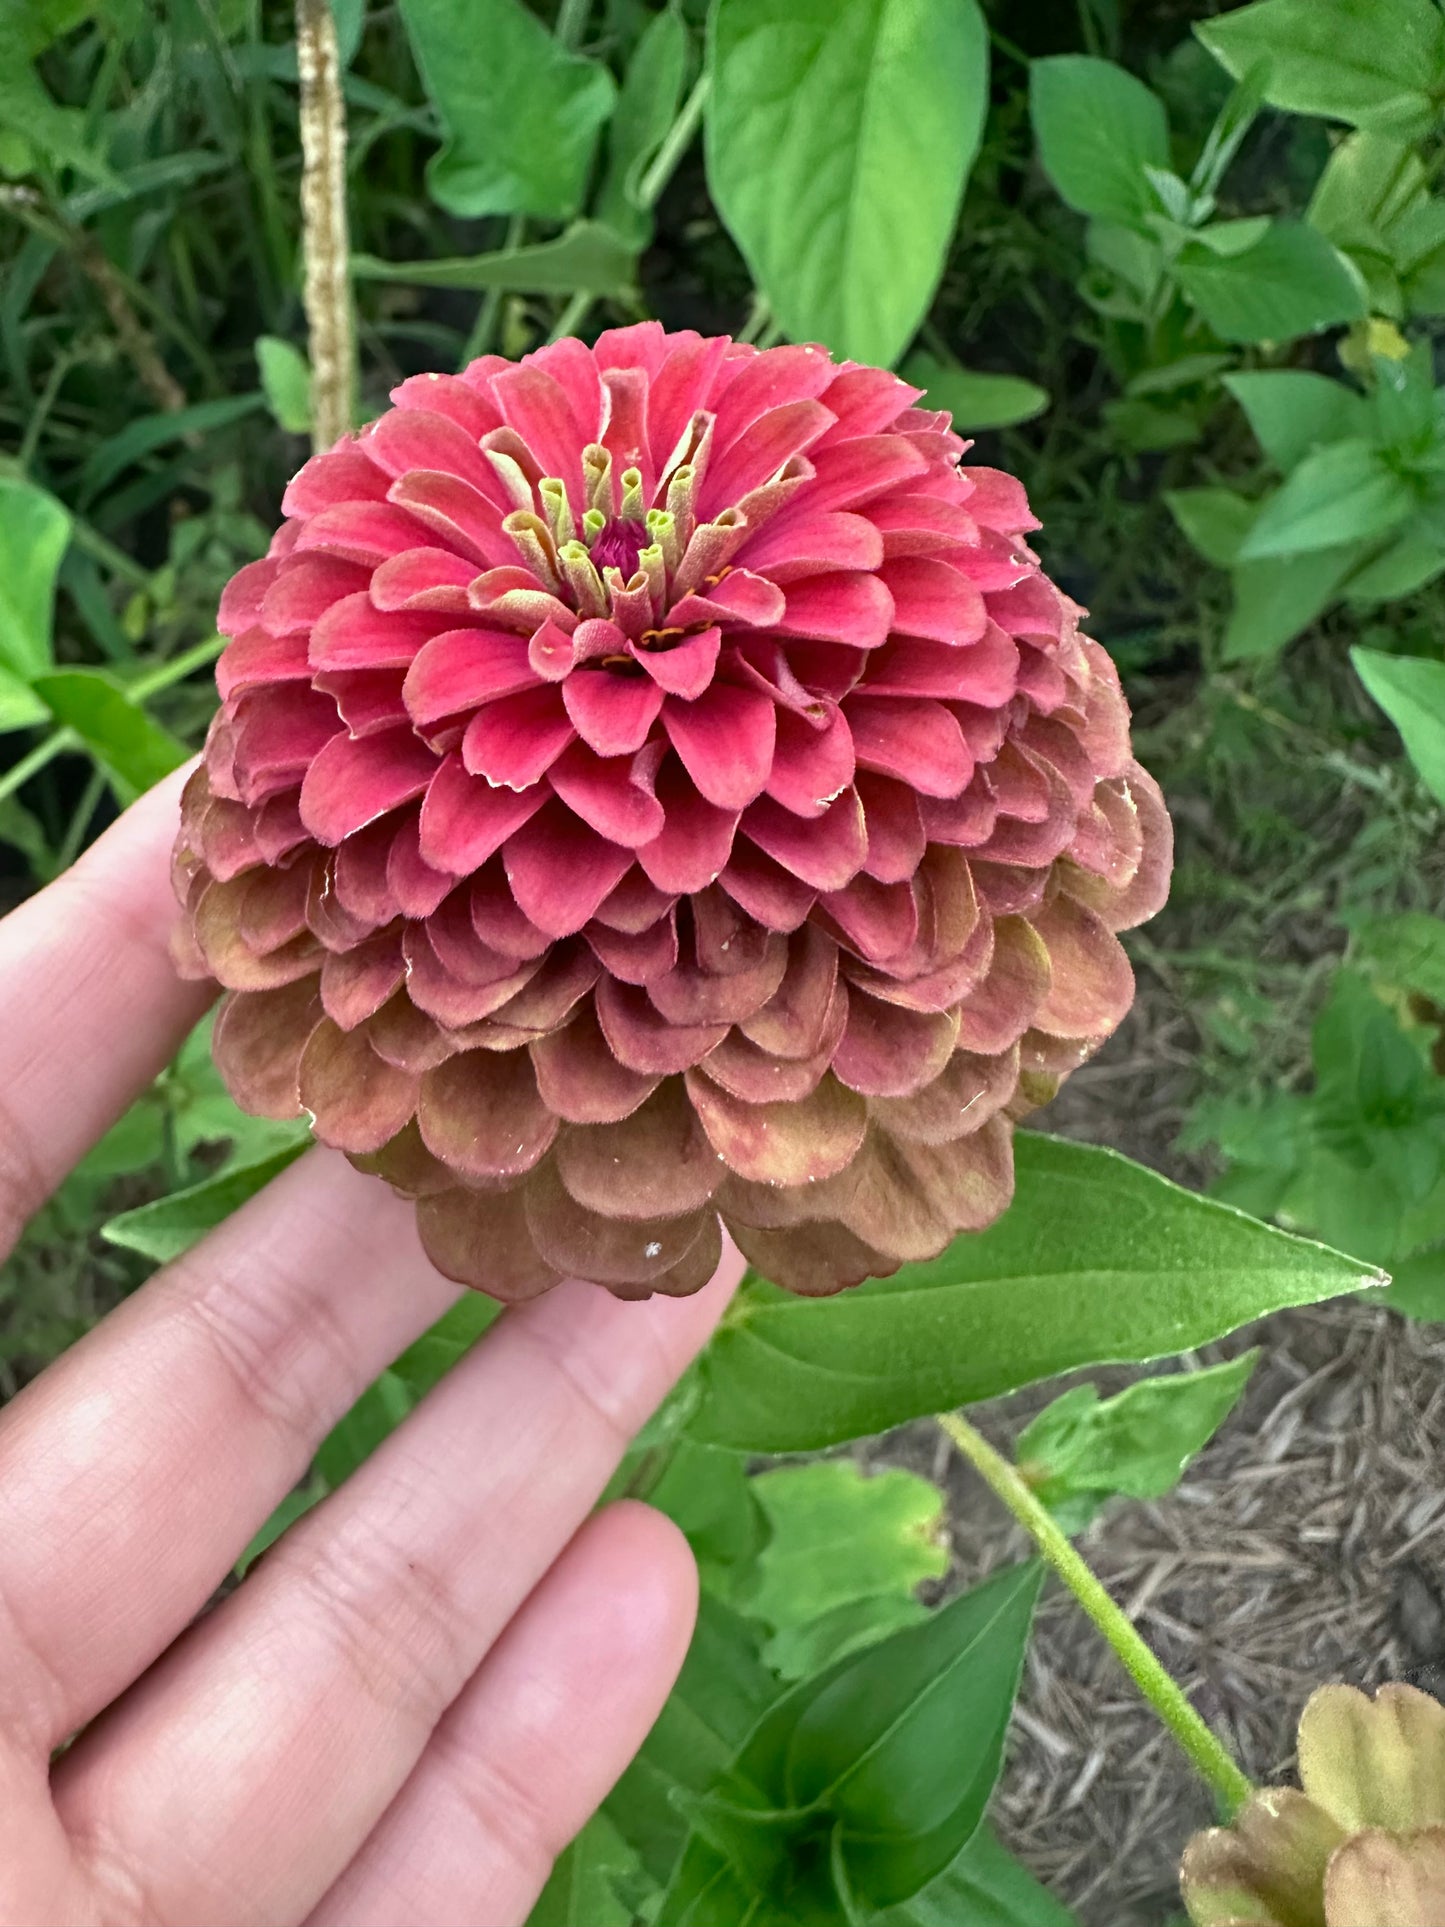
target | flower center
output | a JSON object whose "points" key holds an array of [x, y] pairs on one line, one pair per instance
{"points": [[619, 543]]}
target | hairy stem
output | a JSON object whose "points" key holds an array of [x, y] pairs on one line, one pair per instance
{"points": [[1203, 1749], [323, 224]]}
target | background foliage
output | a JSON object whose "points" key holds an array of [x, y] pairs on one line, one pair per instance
{"points": [[1183, 269]]}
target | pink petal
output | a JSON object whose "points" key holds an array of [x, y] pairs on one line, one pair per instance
{"points": [[606, 794], [344, 474], [765, 890], [635, 959], [856, 471], [641, 344], [685, 670], [738, 600], [895, 827], [364, 532], [611, 712], [496, 918], [811, 765], [416, 887], [560, 870], [458, 513], [407, 439], [680, 387], [352, 783], [256, 657], [552, 652], [913, 739], [355, 634], [304, 590], [856, 609], [965, 821], [580, 1079], [464, 818], [244, 595], [635, 905], [357, 982], [768, 379], [983, 672], [934, 600], [514, 596], [878, 920], [695, 840], [462, 668], [889, 1052], [642, 1039], [514, 740], [369, 699], [725, 740], [540, 409], [759, 451], [423, 579], [458, 399], [1033, 608], [866, 401], [998, 501], [826, 851], [278, 732], [804, 544], [921, 524]]}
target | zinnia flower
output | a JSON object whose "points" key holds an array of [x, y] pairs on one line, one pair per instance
{"points": [[1362, 1846], [655, 785]]}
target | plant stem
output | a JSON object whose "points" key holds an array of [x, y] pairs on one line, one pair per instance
{"points": [[571, 20], [176, 670], [329, 322], [19, 774], [1163, 1693], [479, 341], [573, 315], [675, 144]]}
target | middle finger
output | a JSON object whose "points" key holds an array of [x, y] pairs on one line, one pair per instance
{"points": [[283, 1725]]}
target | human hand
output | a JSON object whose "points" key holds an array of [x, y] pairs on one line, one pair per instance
{"points": [[423, 1690]]}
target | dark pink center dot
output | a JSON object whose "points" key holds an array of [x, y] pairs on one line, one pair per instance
{"points": [[619, 543]]}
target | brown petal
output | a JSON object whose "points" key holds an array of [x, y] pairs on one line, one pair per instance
{"points": [[1000, 1009], [356, 1099], [1267, 1866], [962, 1098], [1092, 985], [483, 1241], [687, 995], [635, 959], [1375, 1762], [912, 1199], [608, 1251], [581, 1080], [452, 1001], [760, 1077], [793, 1021], [257, 1044], [406, 1164], [407, 1037], [482, 1114], [890, 1052], [814, 1260], [790, 1143], [356, 983], [1380, 1879], [695, 1268], [1122, 908], [231, 960], [657, 1163], [566, 975], [642, 1039], [779, 1207]]}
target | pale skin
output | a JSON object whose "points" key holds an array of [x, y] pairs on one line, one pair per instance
{"points": [[423, 1690]]}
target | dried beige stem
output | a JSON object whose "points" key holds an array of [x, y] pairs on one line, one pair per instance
{"points": [[323, 223]]}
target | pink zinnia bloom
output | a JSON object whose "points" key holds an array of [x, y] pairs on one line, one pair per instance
{"points": [[655, 784]]}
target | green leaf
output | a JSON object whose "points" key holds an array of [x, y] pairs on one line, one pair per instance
{"points": [[427, 1361], [350, 17], [27, 111], [838, 144], [646, 107], [1411, 691], [1098, 128], [1097, 1260], [130, 746], [20, 707], [974, 399], [1418, 1286], [1290, 282], [149, 432], [1340, 493], [1406, 950], [587, 256], [985, 1887], [371, 1420], [582, 1891], [285, 382], [1374, 63], [1213, 520], [34, 532], [1411, 562], [293, 1507], [847, 1550], [1082, 1450], [165, 1228], [710, 1495], [1293, 412], [520, 112], [722, 1691], [1276, 601]]}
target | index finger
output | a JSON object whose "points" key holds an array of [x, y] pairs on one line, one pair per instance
{"points": [[93, 1006]]}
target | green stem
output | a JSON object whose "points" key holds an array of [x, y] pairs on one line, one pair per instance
{"points": [[573, 315], [19, 774], [1163, 1693], [571, 20], [479, 341], [675, 144], [176, 670]]}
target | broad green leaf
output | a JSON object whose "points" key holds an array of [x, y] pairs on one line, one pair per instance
{"points": [[587, 256], [1189, 371], [425, 1362], [1213, 520], [130, 746], [1411, 691], [520, 112], [1418, 1286], [20, 707], [1097, 1260], [838, 144], [1374, 63], [165, 1228], [1276, 601], [985, 1887], [1082, 1450], [582, 1891], [1098, 128], [1293, 412], [709, 1494], [1290, 282], [846, 1548], [1410, 563], [293, 1507], [285, 382], [1340, 493], [649, 100], [28, 113], [373, 1418], [974, 399], [1145, 426], [1406, 950], [34, 531], [149, 432], [722, 1691], [350, 17]]}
